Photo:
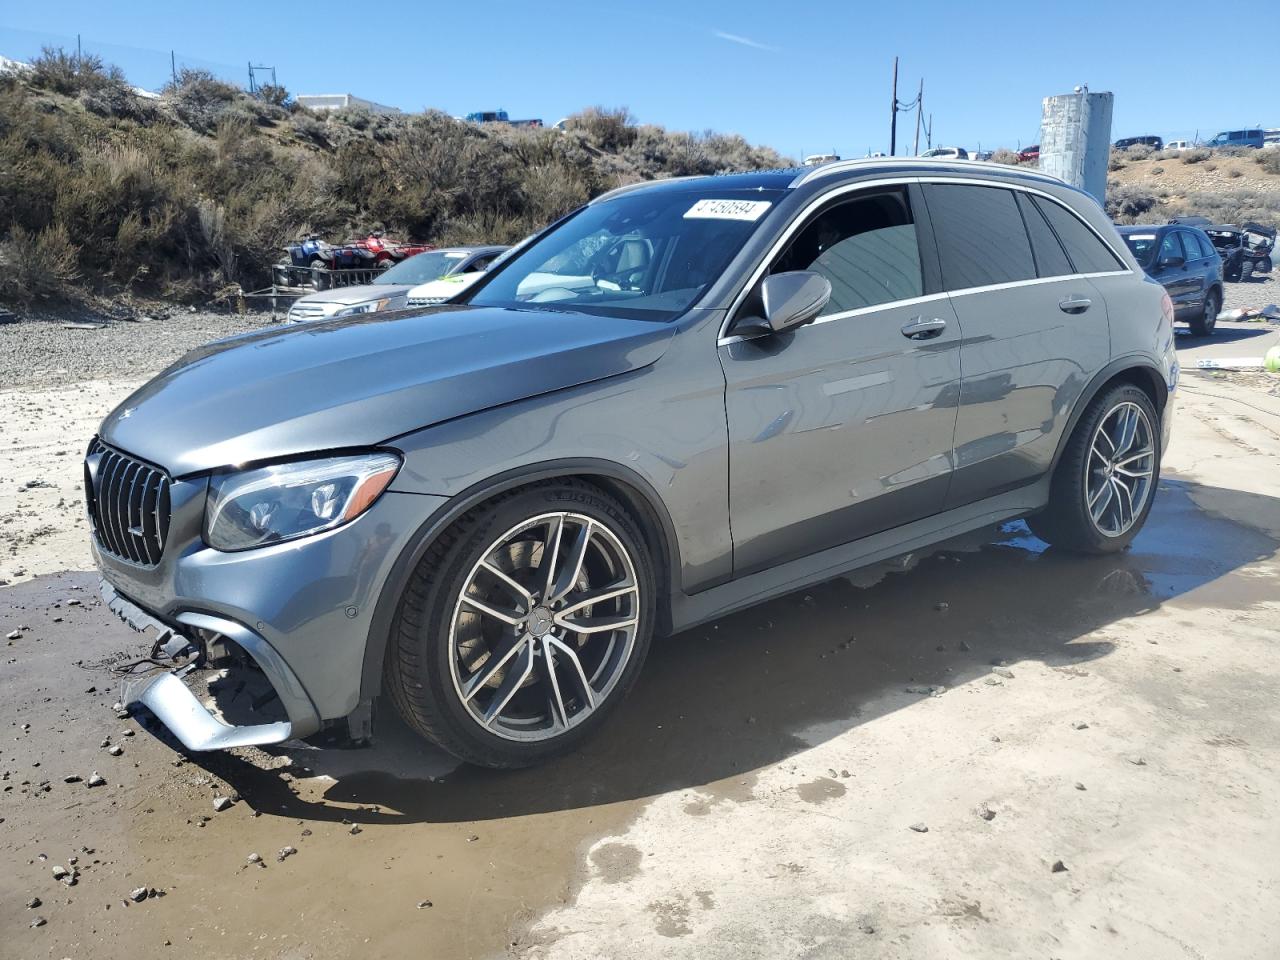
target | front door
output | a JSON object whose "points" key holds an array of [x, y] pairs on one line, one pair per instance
{"points": [[843, 428]]}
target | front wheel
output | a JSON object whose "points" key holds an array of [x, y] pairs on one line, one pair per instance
{"points": [[1105, 483], [524, 626]]}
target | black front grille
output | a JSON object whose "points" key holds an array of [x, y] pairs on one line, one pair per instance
{"points": [[128, 504]]}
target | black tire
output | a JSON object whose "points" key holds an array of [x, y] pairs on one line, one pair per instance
{"points": [[1203, 325], [420, 662], [1265, 265], [1246, 270], [1066, 521]]}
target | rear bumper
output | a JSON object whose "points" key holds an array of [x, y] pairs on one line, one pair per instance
{"points": [[167, 696]]}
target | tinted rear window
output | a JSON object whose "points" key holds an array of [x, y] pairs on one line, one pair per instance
{"points": [[980, 234], [1087, 252]]}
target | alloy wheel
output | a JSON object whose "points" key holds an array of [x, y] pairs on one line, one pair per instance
{"points": [[1120, 470], [544, 626]]}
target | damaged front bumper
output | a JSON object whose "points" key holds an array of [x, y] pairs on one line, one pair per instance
{"points": [[167, 696]]}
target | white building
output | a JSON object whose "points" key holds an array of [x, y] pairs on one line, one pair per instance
{"points": [[336, 101]]}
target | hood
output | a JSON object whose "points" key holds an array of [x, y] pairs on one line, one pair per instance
{"points": [[346, 296], [362, 380]]}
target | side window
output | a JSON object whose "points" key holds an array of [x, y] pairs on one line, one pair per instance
{"points": [[479, 264], [1051, 259], [866, 247], [1170, 247], [1189, 247], [1206, 248], [981, 237], [1087, 252]]}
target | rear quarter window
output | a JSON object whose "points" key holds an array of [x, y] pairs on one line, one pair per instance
{"points": [[980, 234], [1088, 253], [1051, 259]]}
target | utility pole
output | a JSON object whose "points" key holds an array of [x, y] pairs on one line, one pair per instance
{"points": [[915, 147], [893, 113], [79, 55]]}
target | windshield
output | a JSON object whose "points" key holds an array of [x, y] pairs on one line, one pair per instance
{"points": [[649, 255], [1143, 246], [422, 267]]}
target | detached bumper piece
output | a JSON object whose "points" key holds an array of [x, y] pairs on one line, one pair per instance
{"points": [[168, 697]]}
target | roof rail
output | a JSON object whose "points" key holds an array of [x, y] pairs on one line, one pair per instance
{"points": [[842, 166], [638, 185]]}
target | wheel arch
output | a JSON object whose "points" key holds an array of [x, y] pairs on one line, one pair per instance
{"points": [[1137, 370], [624, 484]]}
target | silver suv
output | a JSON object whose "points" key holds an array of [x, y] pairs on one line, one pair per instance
{"points": [[683, 399]]}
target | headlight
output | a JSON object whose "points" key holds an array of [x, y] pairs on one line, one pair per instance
{"points": [[289, 500], [373, 306]]}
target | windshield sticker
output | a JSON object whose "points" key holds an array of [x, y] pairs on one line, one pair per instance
{"points": [[748, 210], [1142, 236], [454, 255]]}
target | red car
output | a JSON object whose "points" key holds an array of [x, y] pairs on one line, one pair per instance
{"points": [[1029, 154]]}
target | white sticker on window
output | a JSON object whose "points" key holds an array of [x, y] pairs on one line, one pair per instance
{"points": [[1142, 236], [455, 255], [727, 210]]}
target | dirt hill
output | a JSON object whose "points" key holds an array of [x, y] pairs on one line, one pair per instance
{"points": [[1225, 185], [103, 190]]}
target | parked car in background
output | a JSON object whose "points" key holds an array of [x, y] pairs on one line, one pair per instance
{"points": [[390, 290], [1179, 145], [1228, 240], [1238, 138], [815, 159], [947, 153], [1029, 154], [1185, 263], [686, 398], [1155, 143]]}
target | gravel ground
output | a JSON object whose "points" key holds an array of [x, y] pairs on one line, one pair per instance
{"points": [[45, 353]]}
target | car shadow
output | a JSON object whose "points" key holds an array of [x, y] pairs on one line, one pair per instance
{"points": [[717, 702], [1185, 338]]}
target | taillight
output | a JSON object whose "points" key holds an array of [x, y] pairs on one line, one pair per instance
{"points": [[1166, 308]]}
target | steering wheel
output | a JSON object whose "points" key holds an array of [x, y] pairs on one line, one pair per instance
{"points": [[617, 278]]}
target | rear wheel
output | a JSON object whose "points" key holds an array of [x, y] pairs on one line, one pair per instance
{"points": [[1105, 482], [524, 626], [1203, 325]]}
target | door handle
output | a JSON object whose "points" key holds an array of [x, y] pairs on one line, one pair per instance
{"points": [[921, 329], [1075, 304]]}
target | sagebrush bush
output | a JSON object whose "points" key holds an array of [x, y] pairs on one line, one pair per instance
{"points": [[1269, 160], [1128, 204], [1198, 155], [1004, 156], [200, 98], [37, 265]]}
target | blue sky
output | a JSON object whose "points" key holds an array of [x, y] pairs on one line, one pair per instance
{"points": [[804, 78]]}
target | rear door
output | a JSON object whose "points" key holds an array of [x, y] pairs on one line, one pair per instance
{"points": [[1034, 328], [1179, 279], [842, 428]]}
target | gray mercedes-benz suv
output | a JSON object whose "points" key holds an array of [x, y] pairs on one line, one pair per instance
{"points": [[686, 397]]}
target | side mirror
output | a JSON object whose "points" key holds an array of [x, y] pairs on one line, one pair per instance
{"points": [[1172, 262], [787, 300]]}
